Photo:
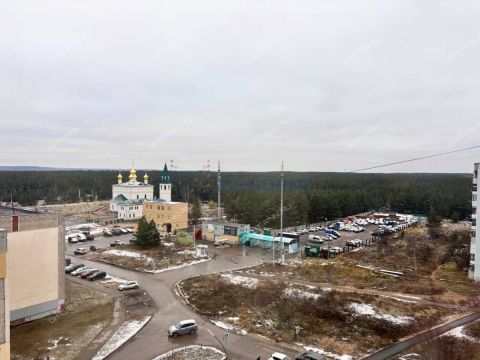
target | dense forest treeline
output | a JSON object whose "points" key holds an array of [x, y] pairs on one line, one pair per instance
{"points": [[254, 197]]}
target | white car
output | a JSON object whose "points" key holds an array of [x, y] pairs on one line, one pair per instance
{"points": [[79, 271], [278, 356], [128, 285]]}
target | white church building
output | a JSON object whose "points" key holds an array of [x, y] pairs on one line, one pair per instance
{"points": [[128, 197]]}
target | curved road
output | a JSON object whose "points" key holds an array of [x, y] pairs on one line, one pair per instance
{"points": [[152, 340]]}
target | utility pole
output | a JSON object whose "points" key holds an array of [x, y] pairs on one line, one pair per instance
{"points": [[281, 216], [219, 184]]}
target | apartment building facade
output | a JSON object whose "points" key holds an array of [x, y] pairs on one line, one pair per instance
{"points": [[474, 270]]}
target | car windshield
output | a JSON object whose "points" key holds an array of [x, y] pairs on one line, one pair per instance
{"points": [[178, 326]]}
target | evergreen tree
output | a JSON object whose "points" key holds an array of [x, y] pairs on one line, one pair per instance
{"points": [[147, 233]]}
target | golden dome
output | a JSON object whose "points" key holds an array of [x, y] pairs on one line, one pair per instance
{"points": [[133, 171], [119, 177], [145, 177]]}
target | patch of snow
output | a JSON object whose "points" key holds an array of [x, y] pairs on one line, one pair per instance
{"points": [[130, 254], [178, 266], [222, 325], [187, 252], [54, 343], [328, 354], [168, 244], [399, 299], [368, 310], [301, 294], [411, 356], [234, 319], [240, 280], [124, 333], [113, 279], [168, 355], [460, 334]]}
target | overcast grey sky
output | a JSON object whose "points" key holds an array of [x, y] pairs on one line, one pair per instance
{"points": [[323, 85]]}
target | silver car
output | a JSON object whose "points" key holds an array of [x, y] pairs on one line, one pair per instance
{"points": [[184, 327]]}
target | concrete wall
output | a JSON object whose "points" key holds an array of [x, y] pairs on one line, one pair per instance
{"points": [[33, 267]]}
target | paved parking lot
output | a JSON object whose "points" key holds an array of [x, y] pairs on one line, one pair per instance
{"points": [[345, 235], [101, 242]]}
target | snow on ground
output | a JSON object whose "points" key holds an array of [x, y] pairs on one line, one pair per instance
{"points": [[187, 252], [411, 356], [112, 279], [54, 343], [124, 333], [459, 333], [168, 244], [178, 266], [240, 280], [368, 310], [222, 325], [399, 299], [194, 352], [328, 354], [234, 318], [130, 254], [297, 293]]}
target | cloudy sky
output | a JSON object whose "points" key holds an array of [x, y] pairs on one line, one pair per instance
{"points": [[323, 85]]}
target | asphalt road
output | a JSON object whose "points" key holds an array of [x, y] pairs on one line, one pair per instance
{"points": [[153, 339]]}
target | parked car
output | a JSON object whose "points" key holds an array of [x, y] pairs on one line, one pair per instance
{"points": [[116, 243], [310, 355], [90, 237], [124, 231], [79, 271], [184, 327], [107, 233], [315, 239], [70, 268], [80, 251], [86, 274], [71, 239], [117, 231], [278, 356], [128, 285], [336, 249], [129, 230], [81, 237], [354, 242], [97, 275], [93, 248]]}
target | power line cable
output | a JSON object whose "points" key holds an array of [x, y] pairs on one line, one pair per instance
{"points": [[416, 159]]}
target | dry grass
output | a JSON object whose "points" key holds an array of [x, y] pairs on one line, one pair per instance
{"points": [[327, 321], [88, 312], [163, 256]]}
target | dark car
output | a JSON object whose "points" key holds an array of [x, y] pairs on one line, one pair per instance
{"points": [[117, 232], [93, 248], [88, 273], [88, 236], [107, 233], [72, 268], [310, 355], [97, 275]]}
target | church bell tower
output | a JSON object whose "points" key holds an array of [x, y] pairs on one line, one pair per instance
{"points": [[165, 186]]}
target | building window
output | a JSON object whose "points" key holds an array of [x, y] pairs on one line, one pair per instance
{"points": [[472, 257], [138, 196], [230, 230], [474, 197], [474, 222]]}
